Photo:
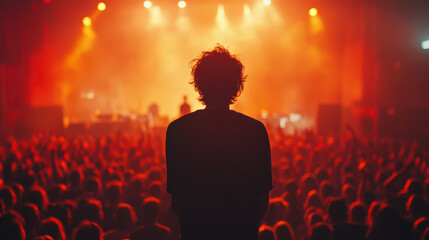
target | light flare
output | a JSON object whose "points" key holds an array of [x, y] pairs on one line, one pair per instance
{"points": [[313, 12], [147, 4], [86, 21], [101, 6], [246, 10], [181, 4], [425, 44], [221, 20]]}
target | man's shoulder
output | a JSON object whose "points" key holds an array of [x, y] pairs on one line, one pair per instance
{"points": [[183, 119], [231, 115], [248, 119]]}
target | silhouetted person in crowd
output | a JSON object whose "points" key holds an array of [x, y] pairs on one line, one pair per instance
{"points": [[218, 160], [283, 231], [358, 213], [266, 233], [388, 224], [420, 226], [125, 218], [321, 231], [11, 229], [149, 227], [88, 230], [342, 230], [30, 212], [185, 108], [8, 196], [52, 227]]}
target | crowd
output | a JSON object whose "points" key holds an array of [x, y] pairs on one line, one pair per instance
{"points": [[113, 188]]}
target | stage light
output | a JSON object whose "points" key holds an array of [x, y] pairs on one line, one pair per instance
{"points": [[47, 1], [181, 4], [313, 12], [267, 2], [425, 44], [246, 10], [147, 4], [221, 17], [283, 122], [86, 21], [294, 117], [101, 6]]}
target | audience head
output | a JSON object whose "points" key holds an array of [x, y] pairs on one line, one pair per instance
{"points": [[337, 210], [321, 231], [56, 193], [113, 193], [155, 174], [125, 218], [308, 183], [283, 231], [155, 189], [8, 196], [420, 225], [92, 210], [31, 214], [148, 213], [326, 189], [137, 184], [386, 218], [313, 200], [60, 211], [76, 178], [417, 206], [313, 218], [38, 196], [349, 193], [291, 187], [88, 230], [358, 213], [276, 211], [322, 175], [52, 227], [266, 233], [92, 185]]}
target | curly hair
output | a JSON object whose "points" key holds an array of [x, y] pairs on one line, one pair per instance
{"points": [[218, 76]]}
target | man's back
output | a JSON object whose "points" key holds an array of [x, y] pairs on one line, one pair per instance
{"points": [[218, 163]]}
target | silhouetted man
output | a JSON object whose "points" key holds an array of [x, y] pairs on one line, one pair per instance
{"points": [[218, 160], [185, 108]]}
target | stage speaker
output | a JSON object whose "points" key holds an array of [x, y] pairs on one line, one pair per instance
{"points": [[328, 119], [40, 119]]}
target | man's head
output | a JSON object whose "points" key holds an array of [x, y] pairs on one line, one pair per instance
{"points": [[218, 76]]}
